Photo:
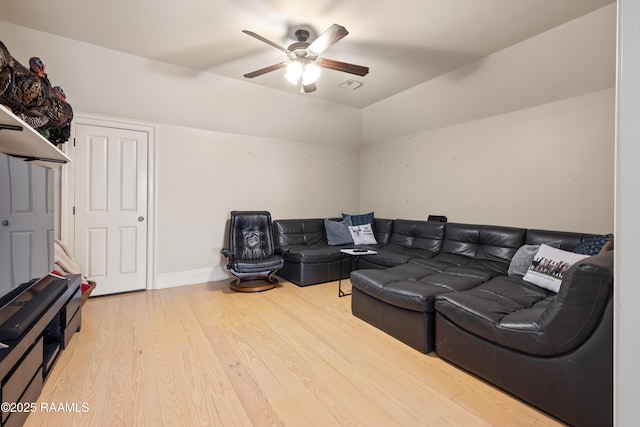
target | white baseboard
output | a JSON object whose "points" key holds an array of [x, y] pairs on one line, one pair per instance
{"points": [[181, 278]]}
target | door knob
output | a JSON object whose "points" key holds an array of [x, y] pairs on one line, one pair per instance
{"points": [[4, 223], [140, 218]]}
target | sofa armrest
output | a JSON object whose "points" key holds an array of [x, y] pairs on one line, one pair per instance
{"points": [[577, 308]]}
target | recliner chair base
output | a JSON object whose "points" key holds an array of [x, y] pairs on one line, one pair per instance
{"points": [[246, 283]]}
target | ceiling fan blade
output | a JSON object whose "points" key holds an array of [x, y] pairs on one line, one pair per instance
{"points": [[358, 70], [309, 88], [265, 70], [328, 38], [265, 40]]}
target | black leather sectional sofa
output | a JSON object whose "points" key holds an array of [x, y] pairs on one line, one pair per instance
{"points": [[308, 257], [446, 287]]}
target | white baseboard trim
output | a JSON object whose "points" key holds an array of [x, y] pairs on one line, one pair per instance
{"points": [[182, 278]]}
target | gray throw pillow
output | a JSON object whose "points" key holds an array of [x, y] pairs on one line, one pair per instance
{"points": [[337, 233], [524, 257]]}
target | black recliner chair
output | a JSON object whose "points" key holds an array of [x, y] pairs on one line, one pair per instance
{"points": [[250, 255]]}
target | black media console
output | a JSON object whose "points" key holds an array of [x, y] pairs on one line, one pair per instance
{"points": [[35, 334]]}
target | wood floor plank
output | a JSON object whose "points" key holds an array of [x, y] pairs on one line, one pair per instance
{"points": [[244, 383], [204, 355]]}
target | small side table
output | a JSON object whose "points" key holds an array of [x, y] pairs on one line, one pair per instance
{"points": [[355, 255]]}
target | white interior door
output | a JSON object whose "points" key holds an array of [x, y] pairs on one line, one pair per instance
{"points": [[26, 220], [110, 224]]}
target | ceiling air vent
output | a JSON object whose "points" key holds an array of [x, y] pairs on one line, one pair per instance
{"points": [[351, 84]]}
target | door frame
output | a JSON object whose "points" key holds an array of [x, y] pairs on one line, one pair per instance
{"points": [[67, 185]]}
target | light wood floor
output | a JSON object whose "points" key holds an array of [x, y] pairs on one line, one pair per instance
{"points": [[203, 355]]}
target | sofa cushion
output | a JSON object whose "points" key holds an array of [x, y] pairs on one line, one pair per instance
{"points": [[392, 254], [299, 232], [393, 289], [312, 253], [568, 240], [409, 239], [418, 234], [494, 268], [466, 271], [486, 242], [382, 229], [442, 261], [337, 233], [411, 286], [488, 310]]}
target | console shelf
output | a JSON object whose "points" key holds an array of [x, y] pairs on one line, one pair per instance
{"points": [[19, 139]]}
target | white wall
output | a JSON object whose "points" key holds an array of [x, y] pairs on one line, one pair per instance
{"points": [[205, 174], [547, 167], [524, 137], [223, 145]]}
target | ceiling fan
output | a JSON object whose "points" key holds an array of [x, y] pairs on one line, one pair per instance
{"points": [[304, 64]]}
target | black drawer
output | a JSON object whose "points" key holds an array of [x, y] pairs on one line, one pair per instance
{"points": [[72, 306], [71, 328], [30, 395], [17, 382]]}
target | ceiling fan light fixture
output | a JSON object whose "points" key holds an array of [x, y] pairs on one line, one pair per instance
{"points": [[304, 63], [307, 71], [294, 72], [311, 73]]}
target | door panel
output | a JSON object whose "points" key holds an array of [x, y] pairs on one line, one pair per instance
{"points": [[111, 207], [96, 251], [28, 234]]}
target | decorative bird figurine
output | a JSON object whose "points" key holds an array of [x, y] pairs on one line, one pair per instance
{"points": [[60, 115], [6, 72], [53, 118], [25, 89], [28, 93], [31, 86], [37, 66]]}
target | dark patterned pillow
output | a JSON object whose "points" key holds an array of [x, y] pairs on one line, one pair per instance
{"points": [[592, 246], [360, 219]]}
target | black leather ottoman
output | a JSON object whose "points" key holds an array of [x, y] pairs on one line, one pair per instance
{"points": [[400, 300]]}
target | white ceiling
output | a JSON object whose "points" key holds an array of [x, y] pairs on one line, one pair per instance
{"points": [[404, 42]]}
